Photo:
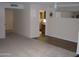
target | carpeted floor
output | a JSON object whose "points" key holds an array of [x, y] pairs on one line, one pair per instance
{"points": [[18, 46]]}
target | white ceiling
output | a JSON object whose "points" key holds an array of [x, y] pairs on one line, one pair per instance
{"points": [[61, 6]]}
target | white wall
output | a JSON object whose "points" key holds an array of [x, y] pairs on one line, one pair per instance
{"points": [[56, 26], [9, 19], [22, 21], [2, 22], [2, 16], [63, 28], [34, 22], [77, 52], [66, 14]]}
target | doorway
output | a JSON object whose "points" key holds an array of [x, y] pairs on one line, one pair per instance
{"points": [[11, 21], [42, 23]]}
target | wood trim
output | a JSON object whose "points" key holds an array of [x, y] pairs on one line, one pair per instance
{"points": [[72, 46]]}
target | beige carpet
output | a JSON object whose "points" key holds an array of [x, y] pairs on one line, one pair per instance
{"points": [[19, 46]]}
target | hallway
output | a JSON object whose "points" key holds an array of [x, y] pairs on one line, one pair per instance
{"points": [[19, 46]]}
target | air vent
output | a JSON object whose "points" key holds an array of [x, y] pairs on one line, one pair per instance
{"points": [[14, 5]]}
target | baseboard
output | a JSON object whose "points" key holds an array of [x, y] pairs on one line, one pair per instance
{"points": [[72, 46]]}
